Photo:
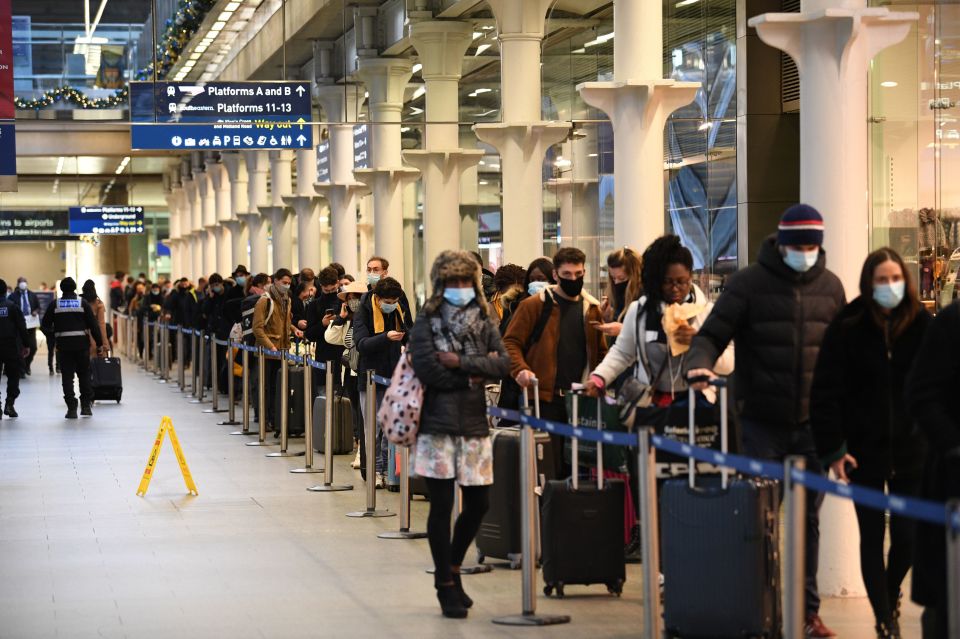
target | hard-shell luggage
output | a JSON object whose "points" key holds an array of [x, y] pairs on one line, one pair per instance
{"points": [[106, 378], [720, 552], [295, 412], [583, 528], [342, 424]]}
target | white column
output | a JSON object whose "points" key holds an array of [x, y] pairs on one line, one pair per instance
{"points": [[441, 46], [306, 206], [339, 104], [195, 264], [209, 216], [833, 42], [638, 102], [280, 216], [175, 198], [386, 79], [257, 169], [521, 137], [221, 202], [239, 205]]}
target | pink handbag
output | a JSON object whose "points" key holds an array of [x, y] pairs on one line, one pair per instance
{"points": [[399, 413]]}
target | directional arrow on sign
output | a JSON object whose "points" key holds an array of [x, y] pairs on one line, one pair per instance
{"points": [[300, 90], [301, 122], [301, 139]]}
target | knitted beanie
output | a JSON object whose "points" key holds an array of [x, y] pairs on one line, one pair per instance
{"points": [[801, 224]]}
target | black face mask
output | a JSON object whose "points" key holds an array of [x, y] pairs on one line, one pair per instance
{"points": [[620, 293], [571, 288]]}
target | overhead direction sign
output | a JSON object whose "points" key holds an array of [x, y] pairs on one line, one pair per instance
{"points": [[233, 115], [106, 220]]}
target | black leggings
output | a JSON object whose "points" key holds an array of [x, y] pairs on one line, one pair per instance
{"points": [[446, 552], [883, 581]]}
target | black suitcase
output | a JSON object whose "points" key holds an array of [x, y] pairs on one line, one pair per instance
{"points": [[295, 412], [720, 552], [499, 535], [342, 424], [106, 378], [582, 530]]}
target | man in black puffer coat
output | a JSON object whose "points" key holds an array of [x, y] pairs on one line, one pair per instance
{"points": [[776, 311]]}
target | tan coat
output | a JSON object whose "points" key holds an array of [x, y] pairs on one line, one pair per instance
{"points": [[273, 332], [100, 313]]}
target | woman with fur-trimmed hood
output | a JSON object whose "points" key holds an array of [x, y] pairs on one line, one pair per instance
{"points": [[455, 347]]}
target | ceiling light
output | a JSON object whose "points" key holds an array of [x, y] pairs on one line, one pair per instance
{"points": [[889, 84], [580, 50], [562, 163], [706, 125], [482, 48], [686, 3], [60, 165], [201, 48], [419, 92], [483, 183], [417, 68], [217, 26], [591, 155], [477, 34], [232, 6], [599, 40], [224, 16], [195, 55]]}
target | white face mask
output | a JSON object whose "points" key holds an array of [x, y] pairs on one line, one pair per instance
{"points": [[801, 261], [23, 286], [890, 295]]}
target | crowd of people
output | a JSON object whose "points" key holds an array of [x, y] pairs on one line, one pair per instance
{"points": [[860, 389]]}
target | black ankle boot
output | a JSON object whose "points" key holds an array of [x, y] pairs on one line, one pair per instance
{"points": [[464, 597], [450, 603], [9, 410]]}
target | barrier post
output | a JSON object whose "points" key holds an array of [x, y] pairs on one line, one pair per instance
{"points": [[146, 345], [231, 419], [201, 366], [164, 353], [528, 509], [245, 392], [794, 508], [284, 410], [261, 400], [649, 535], [953, 568], [405, 532], [194, 389], [157, 360], [214, 378], [181, 371], [328, 414], [370, 446], [307, 419]]}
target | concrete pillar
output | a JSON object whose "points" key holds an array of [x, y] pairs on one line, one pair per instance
{"points": [[280, 216], [257, 169], [833, 42], [441, 46], [638, 101], [236, 171], [220, 186], [194, 266], [209, 221], [386, 79], [521, 137], [175, 198], [306, 207], [339, 103]]}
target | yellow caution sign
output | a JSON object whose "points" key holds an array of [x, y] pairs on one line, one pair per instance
{"points": [[166, 426]]}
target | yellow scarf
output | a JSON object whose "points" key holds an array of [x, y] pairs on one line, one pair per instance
{"points": [[378, 322], [498, 305]]}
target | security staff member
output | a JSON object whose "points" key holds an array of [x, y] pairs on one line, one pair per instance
{"points": [[29, 305], [13, 343], [70, 319]]}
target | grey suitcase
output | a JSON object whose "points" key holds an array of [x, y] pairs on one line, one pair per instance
{"points": [[720, 552], [342, 424]]}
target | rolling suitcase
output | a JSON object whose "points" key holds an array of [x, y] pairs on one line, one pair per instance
{"points": [[295, 413], [342, 424], [582, 528], [720, 553], [499, 535], [106, 378]]}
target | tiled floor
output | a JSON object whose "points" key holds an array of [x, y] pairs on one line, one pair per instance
{"points": [[255, 555]]}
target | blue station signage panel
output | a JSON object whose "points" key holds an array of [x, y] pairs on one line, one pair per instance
{"points": [[106, 220], [231, 115]]}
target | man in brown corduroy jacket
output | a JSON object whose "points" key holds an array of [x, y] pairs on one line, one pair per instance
{"points": [[271, 328], [569, 346]]}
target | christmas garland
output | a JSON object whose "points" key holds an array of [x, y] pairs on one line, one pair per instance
{"points": [[177, 33]]}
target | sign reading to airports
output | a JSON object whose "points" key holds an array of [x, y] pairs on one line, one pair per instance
{"points": [[106, 220], [231, 115], [34, 225], [8, 139], [323, 161], [361, 146]]}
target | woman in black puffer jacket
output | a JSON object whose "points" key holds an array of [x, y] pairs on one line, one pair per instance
{"points": [[860, 421], [455, 347]]}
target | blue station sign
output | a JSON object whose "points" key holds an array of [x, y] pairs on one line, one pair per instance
{"points": [[232, 115], [106, 220]]}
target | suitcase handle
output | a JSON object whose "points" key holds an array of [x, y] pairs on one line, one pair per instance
{"points": [[575, 443], [721, 385]]}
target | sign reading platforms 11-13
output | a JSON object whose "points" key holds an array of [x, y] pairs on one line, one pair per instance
{"points": [[220, 115]]}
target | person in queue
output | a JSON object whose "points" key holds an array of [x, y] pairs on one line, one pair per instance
{"points": [[89, 295], [777, 312], [455, 346], [29, 305], [380, 327], [256, 287], [509, 282], [539, 275], [147, 307], [320, 315], [338, 336], [13, 348], [866, 354], [624, 286], [569, 346], [238, 291], [303, 283], [212, 323], [271, 328], [73, 324], [668, 279]]}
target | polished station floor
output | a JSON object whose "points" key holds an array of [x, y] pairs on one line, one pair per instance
{"points": [[254, 555]]}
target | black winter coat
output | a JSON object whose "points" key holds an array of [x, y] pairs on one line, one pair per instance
{"points": [[452, 405], [377, 352], [931, 400], [857, 404], [777, 318], [315, 328], [211, 320]]}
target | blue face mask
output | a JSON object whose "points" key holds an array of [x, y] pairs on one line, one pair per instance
{"points": [[534, 288], [241, 280], [800, 261], [388, 308], [372, 279], [459, 296], [890, 295]]}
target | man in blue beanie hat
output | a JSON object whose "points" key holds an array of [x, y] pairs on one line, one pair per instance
{"points": [[776, 311]]}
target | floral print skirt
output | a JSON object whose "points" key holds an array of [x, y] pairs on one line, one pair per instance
{"points": [[469, 460]]}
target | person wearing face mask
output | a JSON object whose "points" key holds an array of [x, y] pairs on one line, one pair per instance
{"points": [[271, 328], [568, 345], [89, 295], [240, 276], [140, 307], [214, 323], [320, 315], [338, 336], [28, 303], [537, 277], [380, 328], [860, 421], [777, 312], [623, 287], [13, 336], [455, 347]]}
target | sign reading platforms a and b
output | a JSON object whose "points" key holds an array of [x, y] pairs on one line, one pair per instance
{"points": [[166, 428]]}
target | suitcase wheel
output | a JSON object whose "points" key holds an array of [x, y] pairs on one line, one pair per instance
{"points": [[615, 588], [480, 556], [515, 561], [549, 588]]}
